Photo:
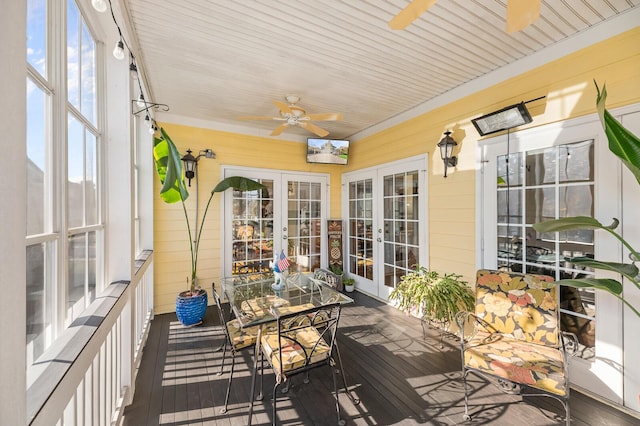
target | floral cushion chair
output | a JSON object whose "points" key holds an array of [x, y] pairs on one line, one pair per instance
{"points": [[515, 336]]}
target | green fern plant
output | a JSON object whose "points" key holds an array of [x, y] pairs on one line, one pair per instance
{"points": [[438, 298]]}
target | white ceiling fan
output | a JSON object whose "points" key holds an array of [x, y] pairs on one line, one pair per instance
{"points": [[520, 14], [293, 115]]}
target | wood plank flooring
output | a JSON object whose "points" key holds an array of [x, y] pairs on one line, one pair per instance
{"points": [[399, 377]]}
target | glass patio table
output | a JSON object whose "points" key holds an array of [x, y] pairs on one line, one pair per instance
{"points": [[253, 297], [253, 300]]}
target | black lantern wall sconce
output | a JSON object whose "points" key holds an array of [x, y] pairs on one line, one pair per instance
{"points": [[191, 162], [446, 145]]}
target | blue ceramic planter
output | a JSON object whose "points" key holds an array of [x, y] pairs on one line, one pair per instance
{"points": [[190, 309]]}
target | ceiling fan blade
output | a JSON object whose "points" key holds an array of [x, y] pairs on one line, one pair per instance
{"points": [[258, 117], [329, 116], [410, 13], [283, 107], [279, 129], [521, 14], [313, 128]]}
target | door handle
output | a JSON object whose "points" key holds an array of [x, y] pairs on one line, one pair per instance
{"points": [[284, 237], [379, 239]]}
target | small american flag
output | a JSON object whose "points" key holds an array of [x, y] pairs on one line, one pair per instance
{"points": [[283, 262]]}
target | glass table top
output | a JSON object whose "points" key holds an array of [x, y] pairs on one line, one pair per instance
{"points": [[253, 297]]}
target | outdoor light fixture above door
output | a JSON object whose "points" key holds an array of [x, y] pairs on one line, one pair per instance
{"points": [[504, 119], [446, 146]]}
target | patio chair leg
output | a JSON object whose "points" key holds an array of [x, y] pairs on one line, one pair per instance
{"points": [[226, 398], [341, 422], [466, 415], [224, 355], [253, 389], [567, 409], [353, 399], [261, 394], [275, 398]]}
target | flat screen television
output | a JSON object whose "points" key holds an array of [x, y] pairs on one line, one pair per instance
{"points": [[327, 151]]}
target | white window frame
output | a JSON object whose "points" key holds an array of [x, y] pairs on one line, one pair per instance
{"points": [[57, 231]]}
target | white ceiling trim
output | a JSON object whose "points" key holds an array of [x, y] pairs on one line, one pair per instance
{"points": [[600, 32]]}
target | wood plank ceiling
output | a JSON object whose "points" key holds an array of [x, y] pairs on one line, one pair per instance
{"points": [[216, 60]]}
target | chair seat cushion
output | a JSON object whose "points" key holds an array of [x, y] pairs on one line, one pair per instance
{"points": [[522, 362], [301, 347], [255, 308], [283, 310], [241, 337]]}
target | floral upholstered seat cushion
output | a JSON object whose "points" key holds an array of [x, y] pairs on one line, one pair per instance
{"points": [[260, 306], [241, 337], [283, 310], [300, 347], [535, 365], [524, 307]]}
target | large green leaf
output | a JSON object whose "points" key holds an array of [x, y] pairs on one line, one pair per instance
{"points": [[572, 224], [169, 168], [238, 183], [607, 284], [622, 142], [629, 270]]}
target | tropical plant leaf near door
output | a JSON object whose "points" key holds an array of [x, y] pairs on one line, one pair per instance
{"points": [[626, 146], [169, 168]]}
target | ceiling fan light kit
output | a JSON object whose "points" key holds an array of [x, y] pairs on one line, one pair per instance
{"points": [[293, 115]]}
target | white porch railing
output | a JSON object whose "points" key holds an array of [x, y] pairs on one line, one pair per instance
{"points": [[88, 375]]}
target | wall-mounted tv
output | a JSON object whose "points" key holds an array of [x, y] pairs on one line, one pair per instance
{"points": [[327, 151]]}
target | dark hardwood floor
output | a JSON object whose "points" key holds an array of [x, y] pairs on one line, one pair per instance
{"points": [[399, 377]]}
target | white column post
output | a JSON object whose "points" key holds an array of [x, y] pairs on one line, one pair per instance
{"points": [[13, 222]]}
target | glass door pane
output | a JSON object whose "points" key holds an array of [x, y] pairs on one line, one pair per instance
{"points": [[401, 225], [386, 224], [360, 228], [288, 216], [252, 229], [303, 233], [538, 185]]}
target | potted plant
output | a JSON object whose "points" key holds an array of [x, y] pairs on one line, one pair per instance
{"points": [[336, 276], [626, 146], [191, 304], [438, 298], [336, 269], [349, 284]]}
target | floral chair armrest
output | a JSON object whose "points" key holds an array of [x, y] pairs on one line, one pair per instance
{"points": [[469, 323], [569, 342]]}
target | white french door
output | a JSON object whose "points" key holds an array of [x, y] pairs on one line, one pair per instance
{"points": [[289, 216], [555, 171], [385, 218]]}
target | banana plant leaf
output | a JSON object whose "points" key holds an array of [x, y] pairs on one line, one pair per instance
{"points": [[169, 168], [238, 183], [622, 142], [572, 224], [629, 270], [606, 284]]}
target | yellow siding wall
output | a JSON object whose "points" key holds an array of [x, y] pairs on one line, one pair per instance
{"points": [[567, 84], [172, 258]]}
